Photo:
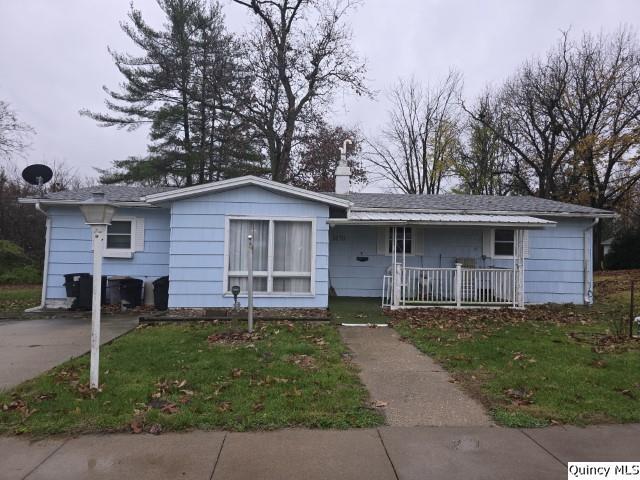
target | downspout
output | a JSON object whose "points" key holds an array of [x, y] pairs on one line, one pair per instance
{"points": [[45, 268], [588, 293]]}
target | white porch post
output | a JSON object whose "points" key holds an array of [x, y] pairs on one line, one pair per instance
{"points": [[521, 269], [404, 264], [458, 285], [395, 269]]}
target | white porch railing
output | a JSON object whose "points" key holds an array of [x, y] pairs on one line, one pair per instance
{"points": [[450, 287]]}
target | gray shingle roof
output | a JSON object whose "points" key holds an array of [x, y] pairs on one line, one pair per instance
{"points": [[466, 203], [389, 201], [112, 193]]}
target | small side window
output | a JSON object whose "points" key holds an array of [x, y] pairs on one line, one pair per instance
{"points": [[119, 235]]}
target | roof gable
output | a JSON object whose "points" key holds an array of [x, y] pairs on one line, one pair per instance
{"points": [[249, 180]]}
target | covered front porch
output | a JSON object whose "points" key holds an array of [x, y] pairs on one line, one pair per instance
{"points": [[427, 260]]}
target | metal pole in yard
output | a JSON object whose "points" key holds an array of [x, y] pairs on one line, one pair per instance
{"points": [[631, 309], [99, 233], [250, 283]]}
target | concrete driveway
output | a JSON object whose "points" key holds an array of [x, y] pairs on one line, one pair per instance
{"points": [[30, 347]]}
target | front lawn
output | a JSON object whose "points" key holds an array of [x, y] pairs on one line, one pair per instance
{"points": [[17, 298], [176, 377], [540, 366]]}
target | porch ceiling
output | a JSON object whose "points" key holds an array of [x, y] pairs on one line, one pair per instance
{"points": [[400, 218]]}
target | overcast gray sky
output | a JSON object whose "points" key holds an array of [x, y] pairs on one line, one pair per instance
{"points": [[54, 59]]}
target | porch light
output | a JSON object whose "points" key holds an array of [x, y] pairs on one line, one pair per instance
{"points": [[97, 213]]}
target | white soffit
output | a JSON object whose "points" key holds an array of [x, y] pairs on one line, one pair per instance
{"points": [[373, 217]]}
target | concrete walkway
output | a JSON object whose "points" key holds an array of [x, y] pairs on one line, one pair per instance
{"points": [[388, 453], [417, 391], [30, 347]]}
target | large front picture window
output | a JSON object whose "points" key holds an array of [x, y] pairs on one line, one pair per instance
{"points": [[282, 255]]}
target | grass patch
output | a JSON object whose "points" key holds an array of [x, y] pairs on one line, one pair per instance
{"points": [[356, 310], [550, 364], [17, 298], [176, 377]]}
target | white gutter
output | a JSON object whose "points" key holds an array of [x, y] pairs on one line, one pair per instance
{"points": [[587, 278], [45, 268], [63, 203], [532, 213]]}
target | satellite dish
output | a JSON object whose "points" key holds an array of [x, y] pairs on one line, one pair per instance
{"points": [[37, 174]]}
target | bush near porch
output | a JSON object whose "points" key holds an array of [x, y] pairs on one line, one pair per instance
{"points": [[201, 375], [544, 365]]}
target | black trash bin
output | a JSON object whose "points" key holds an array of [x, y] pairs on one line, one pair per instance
{"points": [[131, 292], [72, 283], [161, 293], [79, 286]]}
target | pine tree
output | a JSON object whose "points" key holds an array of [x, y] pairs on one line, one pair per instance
{"points": [[185, 86]]}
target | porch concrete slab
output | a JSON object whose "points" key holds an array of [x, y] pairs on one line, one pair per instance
{"points": [[417, 391], [116, 457], [304, 454], [30, 347], [468, 452], [19, 456], [606, 443]]}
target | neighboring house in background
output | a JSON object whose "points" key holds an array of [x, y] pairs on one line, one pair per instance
{"points": [[606, 246], [448, 249]]}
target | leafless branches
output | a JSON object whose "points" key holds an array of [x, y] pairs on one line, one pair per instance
{"points": [[14, 134], [417, 149]]}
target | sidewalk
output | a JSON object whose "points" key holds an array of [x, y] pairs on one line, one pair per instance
{"points": [[416, 390], [384, 453]]}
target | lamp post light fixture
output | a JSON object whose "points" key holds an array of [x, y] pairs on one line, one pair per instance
{"points": [[97, 214]]}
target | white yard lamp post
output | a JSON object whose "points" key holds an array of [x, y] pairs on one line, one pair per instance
{"points": [[97, 213]]}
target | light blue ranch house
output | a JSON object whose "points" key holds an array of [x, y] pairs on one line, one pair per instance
{"points": [[407, 250]]}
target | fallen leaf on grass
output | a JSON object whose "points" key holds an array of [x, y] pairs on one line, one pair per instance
{"points": [[170, 409], [303, 361], [156, 429], [136, 426], [519, 396], [224, 406]]}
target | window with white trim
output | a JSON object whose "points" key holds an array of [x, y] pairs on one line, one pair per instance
{"points": [[403, 240], [119, 235], [503, 242], [282, 255]]}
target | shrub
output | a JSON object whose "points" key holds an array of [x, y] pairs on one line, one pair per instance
{"points": [[15, 266], [625, 251]]}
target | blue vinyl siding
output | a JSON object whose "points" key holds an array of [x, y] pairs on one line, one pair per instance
{"points": [[70, 248], [553, 269], [197, 246]]}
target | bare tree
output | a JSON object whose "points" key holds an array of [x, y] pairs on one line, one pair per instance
{"points": [[417, 149], [483, 163], [531, 124], [14, 134], [601, 116], [300, 53]]}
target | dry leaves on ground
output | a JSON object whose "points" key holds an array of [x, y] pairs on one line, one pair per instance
{"points": [[306, 362]]}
